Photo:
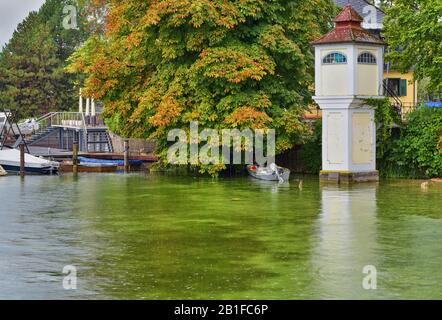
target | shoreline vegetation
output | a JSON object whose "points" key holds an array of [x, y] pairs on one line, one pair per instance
{"points": [[169, 68]]}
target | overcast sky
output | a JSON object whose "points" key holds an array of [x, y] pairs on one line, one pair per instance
{"points": [[12, 12]]}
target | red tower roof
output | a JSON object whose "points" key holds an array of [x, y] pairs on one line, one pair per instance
{"points": [[348, 14], [348, 28]]}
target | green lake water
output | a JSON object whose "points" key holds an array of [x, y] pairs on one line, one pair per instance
{"points": [[160, 237]]}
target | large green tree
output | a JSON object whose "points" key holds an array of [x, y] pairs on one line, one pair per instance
{"points": [[32, 76], [413, 29], [382, 4], [225, 64]]}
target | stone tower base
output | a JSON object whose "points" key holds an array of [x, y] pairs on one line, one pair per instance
{"points": [[348, 177]]}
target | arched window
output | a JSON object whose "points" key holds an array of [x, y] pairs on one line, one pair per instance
{"points": [[335, 58], [367, 58]]}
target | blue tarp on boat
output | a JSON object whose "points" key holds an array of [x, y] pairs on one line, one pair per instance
{"points": [[112, 162]]}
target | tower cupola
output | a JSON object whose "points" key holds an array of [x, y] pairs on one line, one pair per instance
{"points": [[349, 59]]}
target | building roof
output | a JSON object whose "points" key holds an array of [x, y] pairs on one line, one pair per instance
{"points": [[373, 16], [348, 28], [349, 15]]}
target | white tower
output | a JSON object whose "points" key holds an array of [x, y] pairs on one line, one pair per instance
{"points": [[348, 70]]}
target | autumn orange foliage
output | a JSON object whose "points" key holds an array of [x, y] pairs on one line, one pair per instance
{"points": [[240, 63]]}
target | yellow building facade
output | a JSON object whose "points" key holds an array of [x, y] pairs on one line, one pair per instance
{"points": [[404, 87]]}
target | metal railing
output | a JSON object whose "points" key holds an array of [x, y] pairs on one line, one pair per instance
{"points": [[397, 103], [71, 120], [78, 121], [407, 108], [74, 120]]}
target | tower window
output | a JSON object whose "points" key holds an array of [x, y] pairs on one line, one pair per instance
{"points": [[335, 58], [367, 58]]}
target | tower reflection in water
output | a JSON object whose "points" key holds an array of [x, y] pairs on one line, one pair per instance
{"points": [[346, 241]]}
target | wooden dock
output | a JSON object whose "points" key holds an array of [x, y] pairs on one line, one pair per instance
{"points": [[67, 167], [119, 156]]}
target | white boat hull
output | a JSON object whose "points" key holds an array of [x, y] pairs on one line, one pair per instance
{"points": [[10, 161]]}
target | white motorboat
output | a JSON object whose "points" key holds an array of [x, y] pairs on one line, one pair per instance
{"points": [[10, 161]]}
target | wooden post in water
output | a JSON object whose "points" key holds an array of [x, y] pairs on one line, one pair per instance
{"points": [[126, 156], [75, 154], [22, 159]]}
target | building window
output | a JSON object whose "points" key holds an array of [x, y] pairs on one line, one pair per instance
{"points": [[396, 87], [335, 58], [367, 58]]}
